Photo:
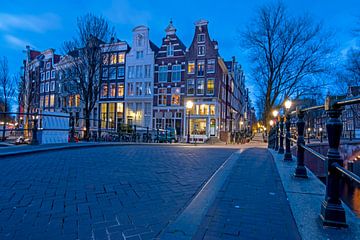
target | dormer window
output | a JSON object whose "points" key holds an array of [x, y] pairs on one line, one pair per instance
{"points": [[170, 50], [201, 38]]}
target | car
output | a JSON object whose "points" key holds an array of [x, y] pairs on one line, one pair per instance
{"points": [[168, 135], [22, 140]]}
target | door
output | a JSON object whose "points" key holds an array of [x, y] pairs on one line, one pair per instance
{"points": [[212, 127]]}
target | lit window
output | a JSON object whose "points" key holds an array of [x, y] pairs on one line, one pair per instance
{"points": [[212, 109], [210, 86], [200, 86], [170, 50], [112, 73], [112, 89], [211, 66], [130, 89], [201, 68], [201, 50], [162, 96], [103, 115], [105, 72], [191, 67], [201, 38], [190, 86], [113, 58], [120, 90], [147, 88], [163, 73], [104, 90], [121, 57], [176, 73], [138, 89], [106, 59], [41, 101], [175, 96], [52, 74], [147, 71], [77, 100], [46, 100], [120, 72]]}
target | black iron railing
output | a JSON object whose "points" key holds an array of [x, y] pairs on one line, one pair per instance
{"points": [[123, 133], [332, 211]]}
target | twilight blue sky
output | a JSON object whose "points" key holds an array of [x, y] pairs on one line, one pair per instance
{"points": [[46, 24]]}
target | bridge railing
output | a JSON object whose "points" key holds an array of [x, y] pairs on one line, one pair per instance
{"points": [[33, 125], [332, 212]]}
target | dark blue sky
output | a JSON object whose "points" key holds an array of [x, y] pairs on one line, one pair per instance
{"points": [[46, 24]]}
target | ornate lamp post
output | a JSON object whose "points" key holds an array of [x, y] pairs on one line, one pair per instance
{"points": [[308, 133], [189, 106], [287, 155], [275, 113], [321, 134]]}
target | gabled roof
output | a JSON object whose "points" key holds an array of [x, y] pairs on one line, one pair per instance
{"points": [[153, 47]]}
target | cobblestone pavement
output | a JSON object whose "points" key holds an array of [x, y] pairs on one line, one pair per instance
{"points": [[127, 192], [252, 203]]}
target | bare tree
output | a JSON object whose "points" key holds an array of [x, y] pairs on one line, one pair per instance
{"points": [[81, 66], [8, 86], [286, 52]]}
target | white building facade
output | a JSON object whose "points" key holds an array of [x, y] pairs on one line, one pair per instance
{"points": [[139, 80]]}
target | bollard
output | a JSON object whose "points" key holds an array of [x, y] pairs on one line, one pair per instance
{"points": [[34, 140], [287, 155], [72, 130], [300, 170], [332, 211], [281, 147]]}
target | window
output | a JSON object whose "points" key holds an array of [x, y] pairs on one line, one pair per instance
{"points": [[131, 71], [210, 66], [139, 39], [112, 73], [47, 75], [203, 109], [52, 74], [201, 38], [200, 68], [113, 58], [212, 109], [162, 96], [130, 89], [176, 73], [163, 73], [105, 72], [52, 86], [138, 89], [103, 114], [175, 96], [147, 88], [170, 50], [105, 59], [201, 50], [147, 71], [120, 72], [104, 90], [112, 90], [41, 88], [120, 90], [210, 86], [47, 87], [139, 71], [46, 100], [52, 100], [42, 76], [41, 101], [190, 86], [200, 86], [191, 67], [147, 108], [139, 54], [77, 100], [121, 57], [48, 65]]}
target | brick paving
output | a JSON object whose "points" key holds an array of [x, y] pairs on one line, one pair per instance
{"points": [[252, 203], [127, 192]]}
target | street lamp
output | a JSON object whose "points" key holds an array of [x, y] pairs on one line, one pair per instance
{"points": [[287, 155], [275, 113], [309, 129], [271, 122], [321, 134], [189, 106]]}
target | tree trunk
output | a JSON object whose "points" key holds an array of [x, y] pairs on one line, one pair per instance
{"points": [[87, 126]]}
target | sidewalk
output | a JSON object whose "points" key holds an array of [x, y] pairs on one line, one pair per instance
{"points": [[252, 203]]}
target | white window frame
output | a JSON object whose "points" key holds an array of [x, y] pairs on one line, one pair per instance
{"points": [[52, 86], [170, 50], [204, 50], [52, 74], [199, 36], [163, 73], [176, 72]]}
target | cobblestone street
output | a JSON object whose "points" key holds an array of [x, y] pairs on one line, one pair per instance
{"points": [[126, 192]]}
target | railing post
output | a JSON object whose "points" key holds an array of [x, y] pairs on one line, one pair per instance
{"points": [[287, 155], [34, 140], [300, 170], [332, 211], [276, 136], [72, 130], [281, 147]]}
